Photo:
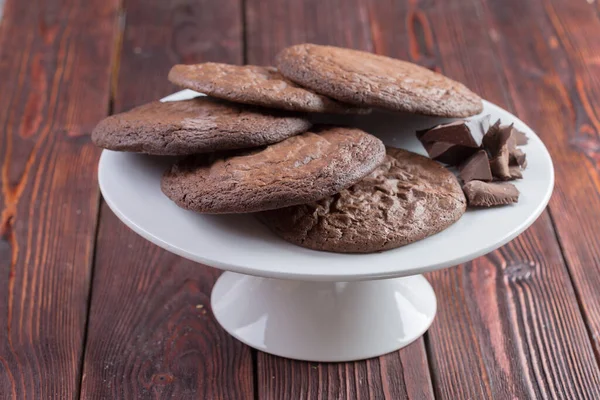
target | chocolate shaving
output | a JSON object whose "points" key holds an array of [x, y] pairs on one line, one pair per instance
{"points": [[484, 194], [476, 167]]}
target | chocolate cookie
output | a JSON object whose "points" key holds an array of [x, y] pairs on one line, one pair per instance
{"points": [[195, 126], [407, 198], [250, 84], [371, 80], [298, 170]]}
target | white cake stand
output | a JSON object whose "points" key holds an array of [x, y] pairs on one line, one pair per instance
{"points": [[318, 306]]}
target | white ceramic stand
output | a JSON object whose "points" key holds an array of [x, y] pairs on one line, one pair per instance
{"points": [[311, 305], [324, 321]]}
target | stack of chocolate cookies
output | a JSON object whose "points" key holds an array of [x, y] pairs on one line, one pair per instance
{"points": [[248, 146]]}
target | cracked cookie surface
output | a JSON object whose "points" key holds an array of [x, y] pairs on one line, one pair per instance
{"points": [[371, 80], [252, 84], [199, 125], [407, 198], [298, 170]]}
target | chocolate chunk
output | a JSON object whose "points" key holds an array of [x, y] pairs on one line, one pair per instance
{"points": [[495, 139], [468, 133], [496, 143], [517, 157], [499, 165], [515, 172], [452, 154], [454, 142], [484, 124], [520, 138], [512, 140], [476, 167], [483, 194]]}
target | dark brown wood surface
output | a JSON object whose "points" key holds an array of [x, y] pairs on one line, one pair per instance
{"points": [[571, 122], [54, 86], [88, 309], [527, 337], [151, 331]]}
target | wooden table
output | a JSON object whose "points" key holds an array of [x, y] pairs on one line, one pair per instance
{"points": [[89, 309]]}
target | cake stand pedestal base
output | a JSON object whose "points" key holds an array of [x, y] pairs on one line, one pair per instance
{"points": [[324, 321]]}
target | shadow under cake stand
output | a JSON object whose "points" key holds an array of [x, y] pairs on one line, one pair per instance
{"points": [[308, 305]]}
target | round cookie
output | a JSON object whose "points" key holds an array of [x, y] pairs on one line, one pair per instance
{"points": [[199, 125], [371, 80], [297, 170], [407, 198], [251, 84]]}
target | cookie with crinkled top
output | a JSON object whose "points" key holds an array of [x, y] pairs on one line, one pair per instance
{"points": [[371, 80], [298, 170], [407, 198], [199, 125], [252, 84]]}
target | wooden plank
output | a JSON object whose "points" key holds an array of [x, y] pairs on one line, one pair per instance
{"points": [[519, 337], [521, 332], [55, 66], [570, 70], [400, 375], [151, 331], [304, 21]]}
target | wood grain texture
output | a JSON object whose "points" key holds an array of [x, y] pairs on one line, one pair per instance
{"points": [[159, 34], [568, 58], [272, 25], [151, 330], [152, 333], [399, 375], [522, 333], [520, 330], [509, 325], [54, 73]]}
